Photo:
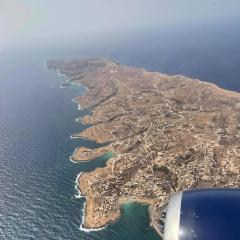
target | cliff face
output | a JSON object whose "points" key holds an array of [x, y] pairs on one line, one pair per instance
{"points": [[169, 133]]}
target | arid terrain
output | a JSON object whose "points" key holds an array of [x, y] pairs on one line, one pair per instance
{"points": [[168, 133]]}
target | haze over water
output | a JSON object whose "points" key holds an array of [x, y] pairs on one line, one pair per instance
{"points": [[37, 117]]}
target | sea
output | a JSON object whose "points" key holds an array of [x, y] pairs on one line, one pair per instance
{"points": [[38, 196]]}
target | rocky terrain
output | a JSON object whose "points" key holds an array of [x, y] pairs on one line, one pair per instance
{"points": [[169, 133]]}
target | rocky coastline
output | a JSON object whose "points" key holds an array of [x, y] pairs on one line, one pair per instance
{"points": [[168, 134]]}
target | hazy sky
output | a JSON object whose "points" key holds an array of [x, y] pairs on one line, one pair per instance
{"points": [[38, 21]]}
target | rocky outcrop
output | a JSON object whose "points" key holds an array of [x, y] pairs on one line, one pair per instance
{"points": [[169, 133]]}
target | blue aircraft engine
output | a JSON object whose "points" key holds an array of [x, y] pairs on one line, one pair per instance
{"points": [[207, 214]]}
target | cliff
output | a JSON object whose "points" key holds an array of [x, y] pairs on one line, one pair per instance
{"points": [[169, 133]]}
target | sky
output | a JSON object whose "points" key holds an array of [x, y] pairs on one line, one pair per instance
{"points": [[34, 22]]}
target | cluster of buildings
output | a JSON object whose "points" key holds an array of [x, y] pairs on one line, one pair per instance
{"points": [[170, 133]]}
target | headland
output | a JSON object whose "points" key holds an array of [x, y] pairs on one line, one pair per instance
{"points": [[168, 133]]}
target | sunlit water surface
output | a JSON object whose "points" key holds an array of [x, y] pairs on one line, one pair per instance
{"points": [[37, 117]]}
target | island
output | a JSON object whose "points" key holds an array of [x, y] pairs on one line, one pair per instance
{"points": [[167, 133]]}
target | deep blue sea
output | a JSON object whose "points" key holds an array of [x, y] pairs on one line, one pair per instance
{"points": [[37, 117]]}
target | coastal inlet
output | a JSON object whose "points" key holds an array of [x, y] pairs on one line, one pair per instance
{"points": [[167, 133], [97, 156]]}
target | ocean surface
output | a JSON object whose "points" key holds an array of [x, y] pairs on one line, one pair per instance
{"points": [[37, 180]]}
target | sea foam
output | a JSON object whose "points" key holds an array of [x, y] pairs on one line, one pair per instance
{"points": [[71, 157], [79, 196]]}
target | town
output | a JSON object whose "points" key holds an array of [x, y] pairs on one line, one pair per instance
{"points": [[168, 133]]}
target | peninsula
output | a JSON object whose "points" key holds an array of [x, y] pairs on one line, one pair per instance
{"points": [[167, 133]]}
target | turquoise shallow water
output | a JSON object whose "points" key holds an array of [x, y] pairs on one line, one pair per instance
{"points": [[37, 179], [37, 118]]}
